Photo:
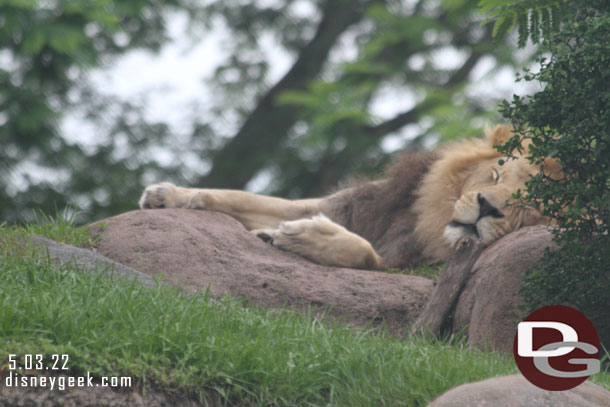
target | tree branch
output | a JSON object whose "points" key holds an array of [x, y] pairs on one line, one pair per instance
{"points": [[235, 164], [413, 115], [461, 74], [399, 120]]}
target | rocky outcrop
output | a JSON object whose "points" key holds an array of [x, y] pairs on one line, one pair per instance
{"points": [[200, 249], [489, 304]]}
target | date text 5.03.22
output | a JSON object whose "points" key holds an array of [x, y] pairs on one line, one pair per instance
{"points": [[38, 362]]}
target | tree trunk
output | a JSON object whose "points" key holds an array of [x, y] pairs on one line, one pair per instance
{"points": [[239, 160]]}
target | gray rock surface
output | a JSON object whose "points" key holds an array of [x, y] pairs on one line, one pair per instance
{"points": [[516, 391], [88, 260], [199, 249]]}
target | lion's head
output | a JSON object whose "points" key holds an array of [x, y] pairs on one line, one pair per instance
{"points": [[482, 211], [467, 192]]}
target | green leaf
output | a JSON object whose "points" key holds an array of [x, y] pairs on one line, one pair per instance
{"points": [[503, 25], [523, 29], [66, 39], [534, 26], [33, 41]]}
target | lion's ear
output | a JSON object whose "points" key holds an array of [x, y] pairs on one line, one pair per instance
{"points": [[499, 135], [552, 168], [502, 133]]}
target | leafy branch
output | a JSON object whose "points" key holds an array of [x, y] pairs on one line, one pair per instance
{"points": [[535, 19]]}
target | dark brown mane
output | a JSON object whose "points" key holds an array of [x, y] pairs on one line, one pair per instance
{"points": [[381, 211]]}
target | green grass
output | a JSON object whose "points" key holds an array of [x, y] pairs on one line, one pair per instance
{"points": [[219, 351], [61, 228]]}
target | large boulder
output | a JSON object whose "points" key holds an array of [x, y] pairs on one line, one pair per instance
{"points": [[488, 306], [200, 249], [516, 391]]}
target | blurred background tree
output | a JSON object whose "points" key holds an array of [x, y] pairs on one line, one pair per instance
{"points": [[321, 122], [47, 49]]}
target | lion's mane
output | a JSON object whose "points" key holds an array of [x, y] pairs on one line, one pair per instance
{"points": [[404, 215]]}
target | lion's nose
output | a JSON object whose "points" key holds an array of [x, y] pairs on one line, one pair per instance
{"points": [[487, 209]]}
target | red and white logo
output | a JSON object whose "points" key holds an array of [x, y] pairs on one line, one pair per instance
{"points": [[556, 348]]}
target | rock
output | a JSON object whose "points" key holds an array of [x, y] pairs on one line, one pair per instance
{"points": [[88, 260], [488, 307], [489, 304], [516, 391], [199, 249]]}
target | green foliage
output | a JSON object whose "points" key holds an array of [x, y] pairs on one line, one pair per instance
{"points": [[534, 19], [568, 121], [47, 49], [62, 228]]}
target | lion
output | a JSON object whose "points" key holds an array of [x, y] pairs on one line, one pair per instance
{"points": [[413, 216]]}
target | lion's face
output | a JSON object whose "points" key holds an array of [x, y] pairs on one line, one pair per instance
{"points": [[467, 193], [484, 209]]}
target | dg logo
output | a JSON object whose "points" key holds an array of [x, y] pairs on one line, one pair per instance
{"points": [[556, 348]]}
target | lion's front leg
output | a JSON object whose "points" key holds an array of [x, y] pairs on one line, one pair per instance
{"points": [[252, 210], [165, 195], [321, 240]]}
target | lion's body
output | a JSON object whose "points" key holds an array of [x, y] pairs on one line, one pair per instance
{"points": [[382, 212], [425, 203]]}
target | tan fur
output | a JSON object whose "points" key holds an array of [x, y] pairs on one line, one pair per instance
{"points": [[295, 226], [449, 192], [412, 217], [325, 242], [252, 210]]}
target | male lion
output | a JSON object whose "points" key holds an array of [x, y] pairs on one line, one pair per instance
{"points": [[426, 203]]}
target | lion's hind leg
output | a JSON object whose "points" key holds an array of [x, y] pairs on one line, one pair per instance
{"points": [[321, 240]]}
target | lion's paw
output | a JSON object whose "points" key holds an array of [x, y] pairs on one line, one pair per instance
{"points": [[321, 240], [163, 195]]}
